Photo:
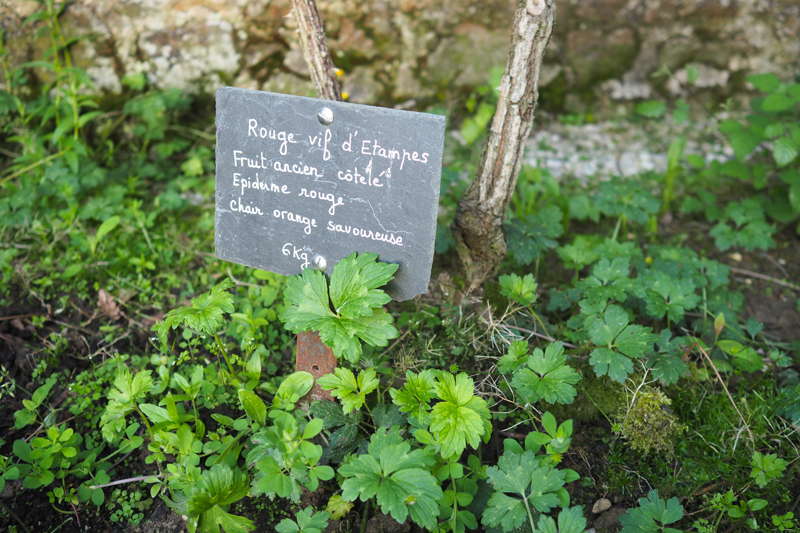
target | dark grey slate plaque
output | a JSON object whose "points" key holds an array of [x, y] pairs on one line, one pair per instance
{"points": [[291, 185]]}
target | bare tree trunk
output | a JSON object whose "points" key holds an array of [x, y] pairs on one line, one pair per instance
{"points": [[315, 49], [478, 227], [312, 355]]}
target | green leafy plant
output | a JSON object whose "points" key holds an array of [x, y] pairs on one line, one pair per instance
{"points": [[766, 468], [306, 521], [353, 311], [398, 477], [618, 342], [351, 392], [525, 483], [653, 515], [208, 502], [545, 375]]}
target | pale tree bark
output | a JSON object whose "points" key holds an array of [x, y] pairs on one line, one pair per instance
{"points": [[315, 49], [312, 355], [478, 227]]}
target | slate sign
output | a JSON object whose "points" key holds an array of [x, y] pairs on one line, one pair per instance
{"points": [[301, 178]]}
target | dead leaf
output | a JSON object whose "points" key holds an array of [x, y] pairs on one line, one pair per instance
{"points": [[107, 305]]}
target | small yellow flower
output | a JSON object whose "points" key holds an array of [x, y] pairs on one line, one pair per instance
{"points": [[345, 95]]}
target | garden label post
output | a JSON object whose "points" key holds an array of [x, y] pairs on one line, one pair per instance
{"points": [[303, 183]]}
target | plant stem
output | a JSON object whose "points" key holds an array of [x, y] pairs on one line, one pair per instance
{"points": [[530, 515], [455, 502], [225, 354], [123, 481], [752, 439], [364, 518]]}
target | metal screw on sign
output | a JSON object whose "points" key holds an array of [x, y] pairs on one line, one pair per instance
{"points": [[319, 263], [325, 116]]}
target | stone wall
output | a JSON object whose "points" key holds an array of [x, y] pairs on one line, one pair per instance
{"points": [[411, 53]]}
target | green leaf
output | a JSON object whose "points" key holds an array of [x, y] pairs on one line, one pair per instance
{"points": [[531, 235], [651, 512], [766, 468], [204, 315], [667, 364], [219, 487], [399, 478], [461, 418], [351, 392], [777, 102], [651, 108], [355, 282], [296, 385], [338, 507], [743, 143], [620, 342], [569, 521], [666, 295], [357, 312], [155, 413], [784, 151], [547, 376], [609, 280], [307, 521], [516, 357], [766, 83], [106, 227], [254, 406], [523, 290], [415, 396], [517, 478]]}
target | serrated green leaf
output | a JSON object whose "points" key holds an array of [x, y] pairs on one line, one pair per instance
{"points": [[415, 396], [354, 284], [399, 478], [767, 468], [651, 512], [338, 507], [351, 391], [356, 312], [547, 376], [521, 289], [219, 487], [306, 521], [517, 478], [461, 418], [743, 143], [569, 521]]}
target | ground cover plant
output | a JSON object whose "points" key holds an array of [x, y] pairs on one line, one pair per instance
{"points": [[639, 345]]}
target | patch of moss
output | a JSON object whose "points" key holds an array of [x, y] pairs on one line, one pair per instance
{"points": [[649, 424]]}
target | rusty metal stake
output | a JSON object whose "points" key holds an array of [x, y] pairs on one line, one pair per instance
{"points": [[314, 357]]}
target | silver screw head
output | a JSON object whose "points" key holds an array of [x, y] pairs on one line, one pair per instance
{"points": [[319, 263], [325, 116]]}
